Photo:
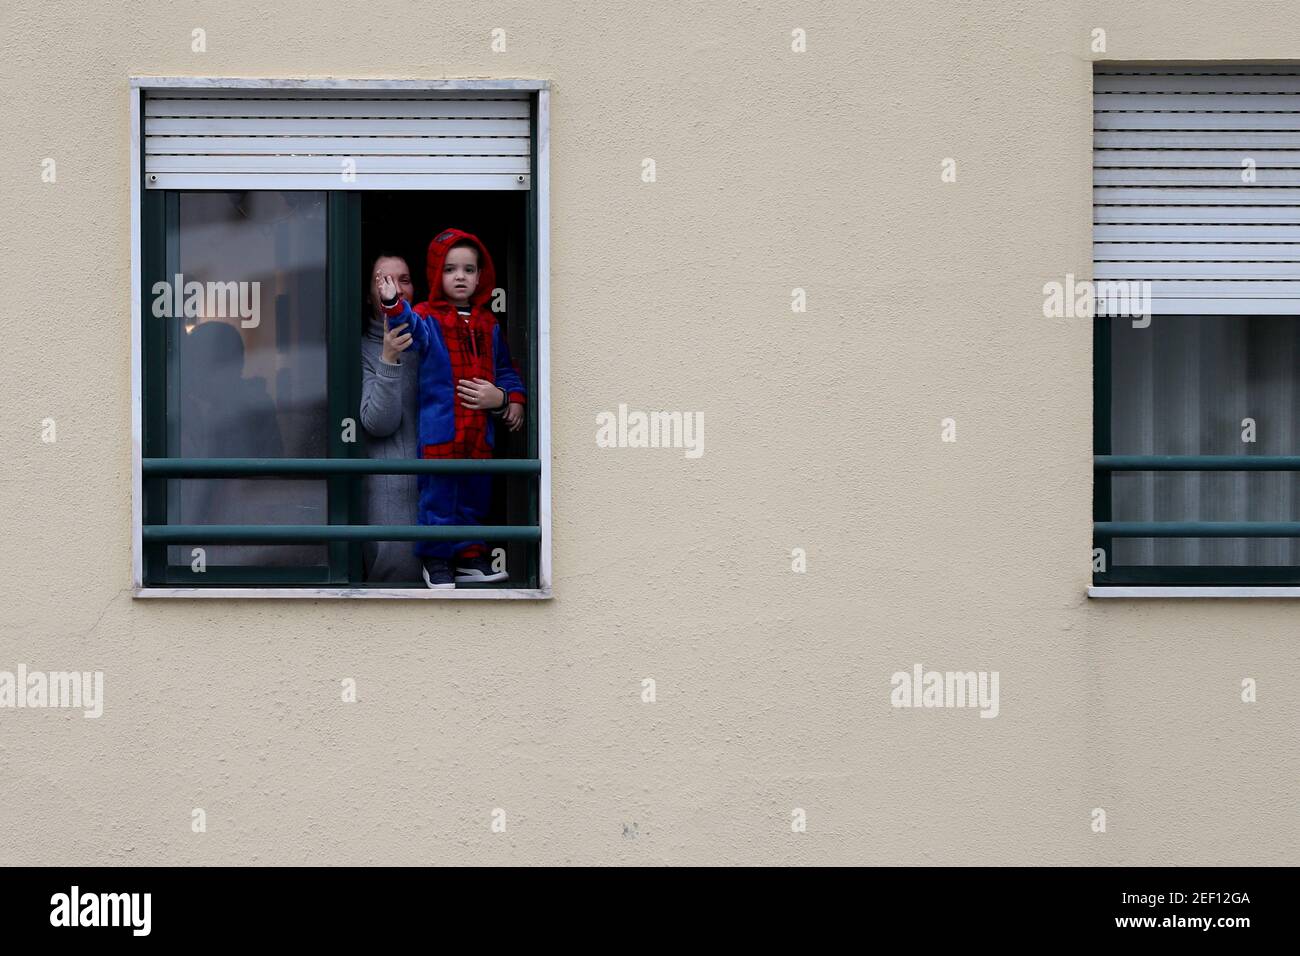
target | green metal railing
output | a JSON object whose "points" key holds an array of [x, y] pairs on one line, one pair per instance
{"points": [[1196, 529], [1196, 462], [325, 468], [322, 467], [307, 533]]}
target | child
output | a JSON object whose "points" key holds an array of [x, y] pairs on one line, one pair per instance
{"points": [[463, 355]]}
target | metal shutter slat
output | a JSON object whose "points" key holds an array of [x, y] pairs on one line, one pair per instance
{"points": [[1170, 205], [337, 109], [1199, 158], [326, 181], [1256, 195], [1201, 269], [1198, 215], [1195, 139], [1199, 232], [1196, 251], [1241, 82], [327, 146], [514, 165], [1231, 176], [1191, 102], [343, 127], [1195, 121]]}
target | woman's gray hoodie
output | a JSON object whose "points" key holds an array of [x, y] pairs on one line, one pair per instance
{"points": [[389, 415]]}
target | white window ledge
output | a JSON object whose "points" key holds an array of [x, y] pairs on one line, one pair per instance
{"points": [[317, 594], [1193, 592]]}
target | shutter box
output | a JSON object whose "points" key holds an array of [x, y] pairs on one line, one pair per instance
{"points": [[1196, 185], [315, 139]]}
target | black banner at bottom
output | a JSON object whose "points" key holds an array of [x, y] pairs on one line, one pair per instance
{"points": [[1149, 905]]}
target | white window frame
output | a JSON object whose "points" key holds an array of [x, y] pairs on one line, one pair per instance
{"points": [[541, 389]]}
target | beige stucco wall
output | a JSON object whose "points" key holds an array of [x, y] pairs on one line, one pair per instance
{"points": [[775, 170]]}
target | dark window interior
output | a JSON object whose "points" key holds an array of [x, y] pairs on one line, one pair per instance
{"points": [[1183, 386]]}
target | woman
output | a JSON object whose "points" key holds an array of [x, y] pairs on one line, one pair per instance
{"points": [[389, 376]]}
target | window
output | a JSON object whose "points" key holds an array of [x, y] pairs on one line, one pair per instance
{"points": [[258, 208], [1197, 401]]}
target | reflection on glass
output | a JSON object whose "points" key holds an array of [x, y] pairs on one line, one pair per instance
{"points": [[246, 364]]}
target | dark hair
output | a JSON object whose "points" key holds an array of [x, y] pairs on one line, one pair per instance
{"points": [[469, 244], [384, 254]]}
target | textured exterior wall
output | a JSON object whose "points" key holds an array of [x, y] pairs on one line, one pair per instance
{"points": [[775, 170]]}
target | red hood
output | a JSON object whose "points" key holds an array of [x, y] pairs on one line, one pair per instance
{"points": [[438, 249]]}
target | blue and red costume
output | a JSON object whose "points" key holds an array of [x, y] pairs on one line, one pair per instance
{"points": [[451, 347]]}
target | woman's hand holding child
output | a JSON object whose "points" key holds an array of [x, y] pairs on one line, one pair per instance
{"points": [[395, 342], [481, 395]]}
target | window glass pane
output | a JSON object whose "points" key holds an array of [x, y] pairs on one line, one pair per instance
{"points": [[1187, 386], [246, 362]]}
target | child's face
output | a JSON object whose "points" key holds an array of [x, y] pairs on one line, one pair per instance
{"points": [[395, 267], [460, 275]]}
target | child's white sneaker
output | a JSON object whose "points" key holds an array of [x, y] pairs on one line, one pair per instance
{"points": [[437, 573], [477, 571]]}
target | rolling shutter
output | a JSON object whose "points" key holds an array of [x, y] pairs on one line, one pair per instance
{"points": [[306, 139], [1174, 152]]}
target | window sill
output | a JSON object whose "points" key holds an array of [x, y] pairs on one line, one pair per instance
{"points": [[1147, 591], [316, 594]]}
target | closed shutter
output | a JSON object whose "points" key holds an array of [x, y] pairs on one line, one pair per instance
{"points": [[1174, 154], [317, 139]]}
